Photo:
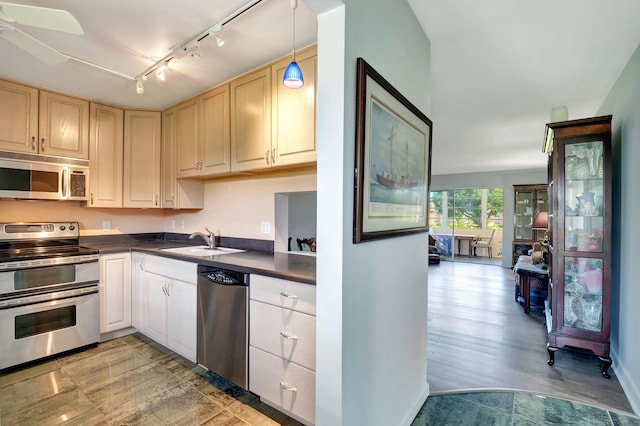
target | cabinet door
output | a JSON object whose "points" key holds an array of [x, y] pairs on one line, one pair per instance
{"points": [[64, 126], [187, 134], [251, 121], [169, 166], [182, 322], [142, 141], [216, 140], [18, 117], [155, 289], [138, 293], [115, 292], [105, 156], [294, 113]]}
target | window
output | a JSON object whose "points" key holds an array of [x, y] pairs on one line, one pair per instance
{"points": [[481, 209]]}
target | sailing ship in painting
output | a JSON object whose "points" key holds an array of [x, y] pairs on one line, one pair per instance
{"points": [[392, 179]]}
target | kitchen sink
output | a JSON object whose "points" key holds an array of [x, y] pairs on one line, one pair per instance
{"points": [[202, 251]]}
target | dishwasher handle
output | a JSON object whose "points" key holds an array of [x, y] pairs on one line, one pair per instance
{"points": [[223, 276]]}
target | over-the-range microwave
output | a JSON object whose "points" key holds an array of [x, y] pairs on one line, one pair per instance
{"points": [[38, 177]]}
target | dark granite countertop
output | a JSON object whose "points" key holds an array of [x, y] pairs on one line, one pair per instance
{"points": [[255, 260]]}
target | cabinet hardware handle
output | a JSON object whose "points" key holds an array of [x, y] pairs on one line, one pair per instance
{"points": [[42, 145], [155, 198], [266, 156], [141, 265], [288, 336], [290, 296], [92, 198], [273, 156], [33, 143], [286, 387]]}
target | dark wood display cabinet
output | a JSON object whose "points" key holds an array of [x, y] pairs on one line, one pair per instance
{"points": [[529, 200], [579, 304]]}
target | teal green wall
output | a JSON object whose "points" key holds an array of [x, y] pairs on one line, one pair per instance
{"points": [[623, 102]]}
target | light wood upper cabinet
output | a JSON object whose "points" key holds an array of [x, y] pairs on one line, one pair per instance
{"points": [[187, 133], [106, 147], [64, 126], [294, 112], [215, 155], [272, 125], [142, 142], [169, 158], [176, 193], [251, 120], [18, 117]]}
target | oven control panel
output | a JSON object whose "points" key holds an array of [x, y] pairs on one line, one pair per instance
{"points": [[38, 230]]}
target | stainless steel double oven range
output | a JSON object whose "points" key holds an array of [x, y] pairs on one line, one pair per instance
{"points": [[49, 300]]}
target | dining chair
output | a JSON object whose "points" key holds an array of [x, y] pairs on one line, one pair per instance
{"points": [[483, 242]]}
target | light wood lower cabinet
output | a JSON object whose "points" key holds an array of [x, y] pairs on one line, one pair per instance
{"points": [[282, 345], [115, 291], [142, 146], [164, 302]]}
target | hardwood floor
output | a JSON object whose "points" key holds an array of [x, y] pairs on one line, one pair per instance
{"points": [[480, 338]]}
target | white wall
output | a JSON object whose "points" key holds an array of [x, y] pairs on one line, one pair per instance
{"points": [[623, 101], [504, 180], [372, 297]]}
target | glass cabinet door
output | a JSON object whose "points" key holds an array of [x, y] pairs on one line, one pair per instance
{"points": [[583, 233], [584, 224], [524, 210], [583, 293]]}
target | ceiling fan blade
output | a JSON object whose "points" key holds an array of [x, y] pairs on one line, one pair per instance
{"points": [[31, 45], [42, 17]]}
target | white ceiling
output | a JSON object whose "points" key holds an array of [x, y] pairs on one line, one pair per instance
{"points": [[128, 36], [498, 66]]}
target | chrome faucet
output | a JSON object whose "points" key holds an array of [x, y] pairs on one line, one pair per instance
{"points": [[209, 238]]}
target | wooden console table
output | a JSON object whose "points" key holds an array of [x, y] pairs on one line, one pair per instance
{"points": [[525, 273]]}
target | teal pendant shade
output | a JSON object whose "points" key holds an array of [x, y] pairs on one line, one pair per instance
{"points": [[293, 78]]}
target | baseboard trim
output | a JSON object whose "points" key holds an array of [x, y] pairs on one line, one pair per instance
{"points": [[631, 389], [422, 398]]}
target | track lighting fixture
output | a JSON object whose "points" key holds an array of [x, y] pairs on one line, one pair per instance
{"points": [[191, 47], [293, 78]]}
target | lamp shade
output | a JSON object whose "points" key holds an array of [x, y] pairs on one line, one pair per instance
{"points": [[541, 221], [293, 76]]}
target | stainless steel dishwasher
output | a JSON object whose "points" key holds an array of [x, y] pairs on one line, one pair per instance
{"points": [[223, 338]]}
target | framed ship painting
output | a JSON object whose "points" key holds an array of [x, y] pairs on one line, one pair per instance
{"points": [[393, 161]]}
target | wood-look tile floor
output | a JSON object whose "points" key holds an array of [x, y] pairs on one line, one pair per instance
{"points": [[480, 338], [127, 381]]}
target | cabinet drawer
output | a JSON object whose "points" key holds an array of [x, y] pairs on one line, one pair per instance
{"points": [[177, 269], [287, 294], [269, 375], [270, 324]]}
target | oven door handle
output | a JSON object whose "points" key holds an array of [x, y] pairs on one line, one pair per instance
{"points": [[47, 297]]}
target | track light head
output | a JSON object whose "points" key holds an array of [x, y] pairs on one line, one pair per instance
{"points": [[219, 40]]}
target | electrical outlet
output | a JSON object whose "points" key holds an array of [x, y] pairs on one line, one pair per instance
{"points": [[106, 225], [182, 224], [173, 224], [265, 227]]}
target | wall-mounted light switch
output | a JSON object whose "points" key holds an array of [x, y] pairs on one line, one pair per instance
{"points": [[265, 227], [106, 225]]}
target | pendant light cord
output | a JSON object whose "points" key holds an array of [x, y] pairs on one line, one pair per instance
{"points": [[294, 32]]}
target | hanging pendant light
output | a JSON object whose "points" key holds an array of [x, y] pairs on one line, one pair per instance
{"points": [[293, 74]]}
